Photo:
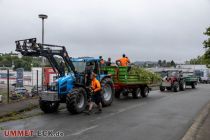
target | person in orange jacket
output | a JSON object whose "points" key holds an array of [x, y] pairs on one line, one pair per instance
{"points": [[95, 94], [124, 61]]}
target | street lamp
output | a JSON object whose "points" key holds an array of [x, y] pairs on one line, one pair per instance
{"points": [[43, 17]]}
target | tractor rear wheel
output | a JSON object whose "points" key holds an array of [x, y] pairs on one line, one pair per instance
{"points": [[76, 100], [175, 87], [48, 106], [107, 92], [182, 86]]}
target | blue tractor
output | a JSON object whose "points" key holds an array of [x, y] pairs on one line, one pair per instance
{"points": [[73, 77]]}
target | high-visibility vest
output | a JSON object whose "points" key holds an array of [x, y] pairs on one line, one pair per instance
{"points": [[95, 85], [124, 61]]}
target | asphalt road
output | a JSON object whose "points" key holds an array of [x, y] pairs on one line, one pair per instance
{"points": [[161, 116]]}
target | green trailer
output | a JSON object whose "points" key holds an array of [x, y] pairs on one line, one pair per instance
{"points": [[190, 79], [126, 82]]}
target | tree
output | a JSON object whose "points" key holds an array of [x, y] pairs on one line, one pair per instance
{"points": [[159, 63], [206, 43], [164, 63], [173, 63]]}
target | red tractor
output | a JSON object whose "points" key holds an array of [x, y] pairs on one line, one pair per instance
{"points": [[172, 80]]}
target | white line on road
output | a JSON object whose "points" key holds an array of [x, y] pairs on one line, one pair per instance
{"points": [[119, 111], [82, 130]]}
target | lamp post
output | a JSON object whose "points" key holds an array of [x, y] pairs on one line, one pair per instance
{"points": [[43, 17]]}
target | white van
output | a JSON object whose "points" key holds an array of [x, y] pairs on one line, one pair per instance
{"points": [[204, 76]]}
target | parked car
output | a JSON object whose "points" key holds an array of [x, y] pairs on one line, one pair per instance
{"points": [[20, 90]]}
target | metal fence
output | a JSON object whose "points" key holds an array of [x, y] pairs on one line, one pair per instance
{"points": [[12, 90]]}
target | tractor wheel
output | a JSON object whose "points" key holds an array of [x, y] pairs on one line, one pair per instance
{"points": [[193, 85], [136, 93], [144, 92], [48, 106], [107, 92], [182, 86], [76, 100], [175, 87], [162, 88]]}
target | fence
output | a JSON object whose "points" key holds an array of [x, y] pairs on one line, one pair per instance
{"points": [[9, 89]]}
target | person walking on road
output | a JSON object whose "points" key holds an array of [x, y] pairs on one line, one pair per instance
{"points": [[95, 94], [124, 61]]}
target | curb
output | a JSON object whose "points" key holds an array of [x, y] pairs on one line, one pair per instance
{"points": [[30, 107], [198, 122]]}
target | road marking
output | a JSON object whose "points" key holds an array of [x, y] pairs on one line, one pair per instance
{"points": [[83, 130], [119, 111]]}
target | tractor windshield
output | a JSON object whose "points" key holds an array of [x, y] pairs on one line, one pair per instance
{"points": [[79, 66]]}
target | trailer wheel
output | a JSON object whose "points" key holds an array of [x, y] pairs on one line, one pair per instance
{"points": [[175, 87], [144, 92], [136, 94], [48, 106], [162, 88], [107, 91], [76, 100], [193, 85], [117, 94]]}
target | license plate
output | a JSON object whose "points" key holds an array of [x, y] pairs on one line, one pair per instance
{"points": [[49, 96]]}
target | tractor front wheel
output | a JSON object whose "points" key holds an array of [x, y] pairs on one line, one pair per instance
{"points": [[48, 106], [162, 88], [76, 100]]}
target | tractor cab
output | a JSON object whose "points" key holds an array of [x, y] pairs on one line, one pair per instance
{"points": [[85, 66]]}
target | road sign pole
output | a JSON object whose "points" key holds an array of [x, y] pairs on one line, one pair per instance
{"points": [[8, 86]]}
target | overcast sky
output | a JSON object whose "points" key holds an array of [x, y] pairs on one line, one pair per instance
{"points": [[142, 29]]}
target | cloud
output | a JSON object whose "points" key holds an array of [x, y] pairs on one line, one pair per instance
{"points": [[144, 30]]}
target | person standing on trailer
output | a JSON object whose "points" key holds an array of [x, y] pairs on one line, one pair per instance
{"points": [[102, 62], [108, 63], [124, 61]]}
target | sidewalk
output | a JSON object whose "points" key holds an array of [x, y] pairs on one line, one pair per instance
{"points": [[200, 129], [204, 130], [7, 109]]}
